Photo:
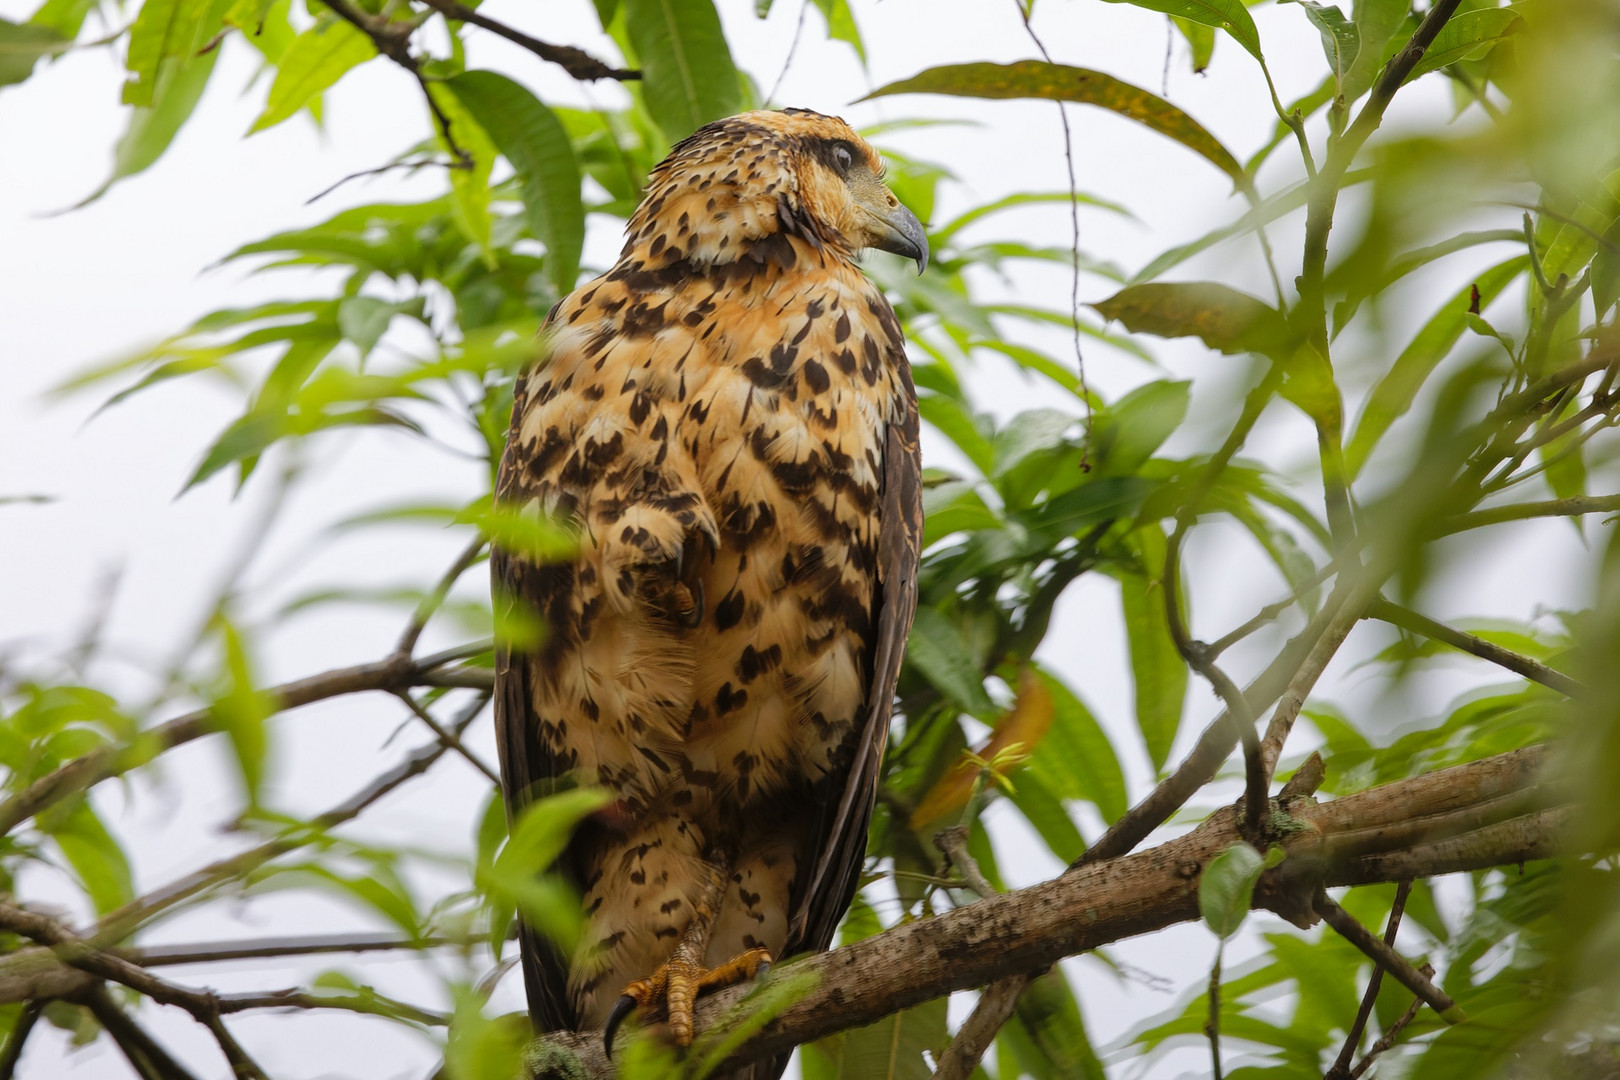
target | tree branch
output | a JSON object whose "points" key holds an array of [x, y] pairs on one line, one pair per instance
{"points": [[1352, 1038], [86, 771], [1385, 956], [1094, 905], [1407, 619], [577, 62]]}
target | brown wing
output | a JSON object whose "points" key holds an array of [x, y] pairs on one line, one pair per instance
{"points": [[840, 841], [525, 763]]}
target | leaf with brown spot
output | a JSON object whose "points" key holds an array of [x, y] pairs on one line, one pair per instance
{"points": [[1060, 82], [1223, 318]]}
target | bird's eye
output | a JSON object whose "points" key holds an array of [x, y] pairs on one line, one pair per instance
{"points": [[842, 158]]}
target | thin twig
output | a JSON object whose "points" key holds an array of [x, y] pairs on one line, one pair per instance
{"points": [[1352, 600], [1024, 12], [435, 600], [1534, 670], [119, 924], [106, 762], [793, 47], [1387, 1039], [149, 1060], [1386, 957], [269, 948], [1212, 1025], [998, 1000], [448, 738], [1497, 515], [577, 62], [1352, 1039]]}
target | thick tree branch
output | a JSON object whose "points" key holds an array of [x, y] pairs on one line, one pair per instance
{"points": [[1103, 902]]}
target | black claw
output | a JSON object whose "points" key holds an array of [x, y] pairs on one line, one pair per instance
{"points": [[621, 1009], [763, 970]]}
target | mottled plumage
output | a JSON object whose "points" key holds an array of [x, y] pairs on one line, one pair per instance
{"points": [[727, 418]]}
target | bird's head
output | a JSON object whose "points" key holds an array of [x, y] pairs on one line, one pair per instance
{"points": [[747, 179]]}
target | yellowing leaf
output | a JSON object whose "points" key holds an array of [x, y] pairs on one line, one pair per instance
{"points": [[1025, 724]]}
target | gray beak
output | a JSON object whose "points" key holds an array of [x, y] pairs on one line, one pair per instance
{"points": [[902, 234]]}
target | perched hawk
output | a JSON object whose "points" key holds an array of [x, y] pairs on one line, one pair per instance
{"points": [[728, 420]]}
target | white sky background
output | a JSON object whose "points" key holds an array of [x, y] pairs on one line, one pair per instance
{"points": [[87, 286]]}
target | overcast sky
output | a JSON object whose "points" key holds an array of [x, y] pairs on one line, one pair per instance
{"points": [[80, 288]]}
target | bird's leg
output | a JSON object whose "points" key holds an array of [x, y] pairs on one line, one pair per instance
{"points": [[679, 980]]}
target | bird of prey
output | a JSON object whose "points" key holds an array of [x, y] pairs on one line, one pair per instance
{"points": [[727, 422]]}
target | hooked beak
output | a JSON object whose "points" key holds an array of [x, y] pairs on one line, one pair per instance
{"points": [[896, 229]]}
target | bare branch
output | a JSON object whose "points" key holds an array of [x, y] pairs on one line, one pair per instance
{"points": [[435, 600], [998, 1000], [1352, 1039], [1496, 515], [268, 948], [119, 924], [1387, 1039], [106, 762], [1535, 671], [149, 1060], [447, 738], [577, 62], [1385, 956]]}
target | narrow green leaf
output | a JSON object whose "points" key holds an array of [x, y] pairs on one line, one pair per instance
{"points": [[21, 46], [179, 86], [92, 852], [469, 178], [841, 25], [1221, 317], [534, 141], [1226, 890], [164, 30], [364, 319], [1398, 388], [1158, 673], [937, 651], [242, 711], [66, 17], [1228, 15], [315, 60], [1200, 42], [1059, 82], [1468, 34], [482, 1047], [688, 78], [1077, 760]]}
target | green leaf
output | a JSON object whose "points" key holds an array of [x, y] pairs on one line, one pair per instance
{"points": [[841, 25], [1226, 890], [534, 141], [179, 85], [482, 1047], [95, 856], [241, 711], [469, 179], [66, 17], [1396, 391], [1200, 41], [1376, 22], [1077, 760], [1466, 35], [21, 46], [1059, 82], [892, 1048], [688, 78], [315, 60], [364, 319], [1158, 673], [1228, 15], [936, 649], [1221, 317], [1341, 40], [1127, 433], [164, 30]]}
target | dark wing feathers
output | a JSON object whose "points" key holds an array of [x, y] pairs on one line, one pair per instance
{"points": [[840, 843]]}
